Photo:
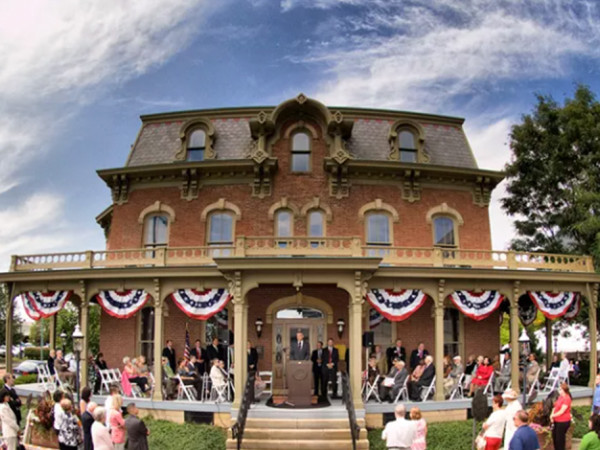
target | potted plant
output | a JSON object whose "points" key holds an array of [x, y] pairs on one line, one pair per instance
{"points": [[42, 433]]}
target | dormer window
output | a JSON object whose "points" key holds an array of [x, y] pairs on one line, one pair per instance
{"points": [[301, 152], [408, 147], [407, 142], [196, 146]]}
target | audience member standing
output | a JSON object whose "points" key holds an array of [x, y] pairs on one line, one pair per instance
{"points": [[137, 433], [524, 437], [87, 420], [381, 360], [400, 433], [591, 440], [513, 406], [70, 434], [15, 401], [169, 353], [317, 367], [50, 361], [252, 358], [331, 357], [417, 355], [420, 440], [213, 351], [86, 395], [200, 355], [117, 424], [494, 425], [57, 409], [10, 428], [100, 434], [561, 417], [394, 352]]}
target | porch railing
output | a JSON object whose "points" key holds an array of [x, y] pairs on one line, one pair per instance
{"points": [[349, 404], [238, 428], [304, 246]]}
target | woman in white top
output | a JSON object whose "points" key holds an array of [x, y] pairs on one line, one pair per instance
{"points": [[10, 429], [565, 366], [494, 426], [216, 374], [100, 435], [513, 406]]}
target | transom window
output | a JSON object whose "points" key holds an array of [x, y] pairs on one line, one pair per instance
{"points": [[444, 232], [378, 229], [220, 234], [301, 152], [156, 228], [407, 146], [299, 313], [196, 146]]}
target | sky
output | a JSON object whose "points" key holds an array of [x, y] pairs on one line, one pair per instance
{"points": [[75, 77]]}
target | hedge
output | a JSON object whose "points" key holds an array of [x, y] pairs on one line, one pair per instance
{"points": [[34, 353], [172, 436], [26, 379]]}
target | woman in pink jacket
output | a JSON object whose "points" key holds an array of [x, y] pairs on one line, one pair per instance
{"points": [[117, 424]]}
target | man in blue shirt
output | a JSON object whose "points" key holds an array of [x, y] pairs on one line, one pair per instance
{"points": [[524, 438]]}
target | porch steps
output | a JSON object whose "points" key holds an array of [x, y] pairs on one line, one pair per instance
{"points": [[294, 433]]}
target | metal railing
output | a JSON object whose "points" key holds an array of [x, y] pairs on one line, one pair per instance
{"points": [[270, 246], [349, 403], [237, 430]]}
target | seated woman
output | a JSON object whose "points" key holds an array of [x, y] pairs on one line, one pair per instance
{"points": [[217, 376], [169, 381], [142, 367], [189, 376], [482, 376], [416, 374], [130, 375], [373, 370]]}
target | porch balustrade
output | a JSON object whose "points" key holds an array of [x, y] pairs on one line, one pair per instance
{"points": [[304, 246]]}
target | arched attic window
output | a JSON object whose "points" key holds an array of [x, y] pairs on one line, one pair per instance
{"points": [[196, 147], [301, 149], [407, 142], [407, 146]]}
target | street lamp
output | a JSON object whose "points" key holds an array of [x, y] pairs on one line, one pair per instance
{"points": [[63, 339], [77, 337], [525, 350]]}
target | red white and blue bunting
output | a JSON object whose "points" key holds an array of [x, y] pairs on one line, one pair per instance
{"points": [[29, 309], [552, 305], [374, 318], [574, 309], [477, 305], [201, 305], [396, 306], [122, 305], [47, 304]]}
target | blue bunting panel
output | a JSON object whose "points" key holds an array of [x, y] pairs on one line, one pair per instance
{"points": [[122, 305], [477, 305], [396, 306], [47, 304], [553, 305], [201, 305], [29, 309], [574, 309], [374, 318]]}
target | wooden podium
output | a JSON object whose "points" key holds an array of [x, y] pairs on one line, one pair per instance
{"points": [[299, 378]]}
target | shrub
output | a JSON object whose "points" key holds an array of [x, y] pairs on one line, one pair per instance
{"points": [[171, 436], [26, 379], [34, 353]]}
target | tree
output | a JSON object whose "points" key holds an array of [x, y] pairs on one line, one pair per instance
{"points": [[554, 176], [4, 299]]}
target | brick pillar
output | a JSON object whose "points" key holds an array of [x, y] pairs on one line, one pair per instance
{"points": [[438, 355], [158, 339], [514, 338]]}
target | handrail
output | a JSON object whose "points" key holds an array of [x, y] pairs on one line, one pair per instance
{"points": [[347, 400], [237, 429]]}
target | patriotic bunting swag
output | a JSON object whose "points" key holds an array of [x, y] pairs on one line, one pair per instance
{"points": [[477, 306], [201, 305], [396, 306], [47, 304], [29, 309], [374, 318], [552, 305], [122, 305], [574, 309], [527, 310]]}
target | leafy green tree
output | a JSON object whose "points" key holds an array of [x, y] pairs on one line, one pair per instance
{"points": [[17, 337]]}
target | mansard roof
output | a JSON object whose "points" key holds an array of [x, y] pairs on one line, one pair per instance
{"points": [[444, 140]]}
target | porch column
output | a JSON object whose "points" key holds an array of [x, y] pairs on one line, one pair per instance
{"points": [[240, 317], [593, 305], [355, 339], [9, 327], [52, 332], [158, 339], [549, 349], [438, 351], [514, 338], [83, 325]]}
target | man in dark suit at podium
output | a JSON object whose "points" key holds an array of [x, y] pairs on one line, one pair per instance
{"points": [[300, 351], [331, 357]]}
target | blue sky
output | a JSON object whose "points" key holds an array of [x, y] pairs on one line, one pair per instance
{"points": [[76, 76]]}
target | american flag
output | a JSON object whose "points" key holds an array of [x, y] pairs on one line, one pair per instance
{"points": [[186, 350]]}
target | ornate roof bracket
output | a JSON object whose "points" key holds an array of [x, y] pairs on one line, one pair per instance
{"points": [[190, 185], [340, 130], [263, 177], [119, 186], [339, 181], [482, 191], [261, 128], [411, 189]]}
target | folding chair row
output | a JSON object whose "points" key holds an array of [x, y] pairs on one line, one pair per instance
{"points": [[45, 378], [458, 390]]}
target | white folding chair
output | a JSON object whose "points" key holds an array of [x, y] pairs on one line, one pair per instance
{"points": [[267, 377], [218, 392], [186, 391], [105, 380], [553, 380], [458, 391], [371, 389], [427, 391], [46, 379], [535, 385], [489, 387], [403, 392]]}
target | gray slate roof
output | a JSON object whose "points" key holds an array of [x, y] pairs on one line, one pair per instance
{"points": [[446, 145]]}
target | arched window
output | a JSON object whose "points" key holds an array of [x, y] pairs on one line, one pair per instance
{"points": [[301, 152], [444, 232], [407, 146], [220, 233], [196, 146], [156, 231], [378, 229], [316, 223], [284, 227]]}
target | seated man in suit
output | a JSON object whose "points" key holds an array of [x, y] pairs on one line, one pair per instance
{"points": [[300, 350], [414, 387], [503, 377], [398, 374], [62, 369], [331, 357], [417, 355]]}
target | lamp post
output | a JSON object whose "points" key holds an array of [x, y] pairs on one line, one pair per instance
{"points": [[63, 340], [77, 348], [525, 350]]}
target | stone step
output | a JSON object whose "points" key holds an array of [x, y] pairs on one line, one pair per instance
{"points": [[316, 424], [261, 444], [299, 434]]}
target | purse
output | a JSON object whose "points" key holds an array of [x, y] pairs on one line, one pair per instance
{"points": [[388, 381], [480, 442]]}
